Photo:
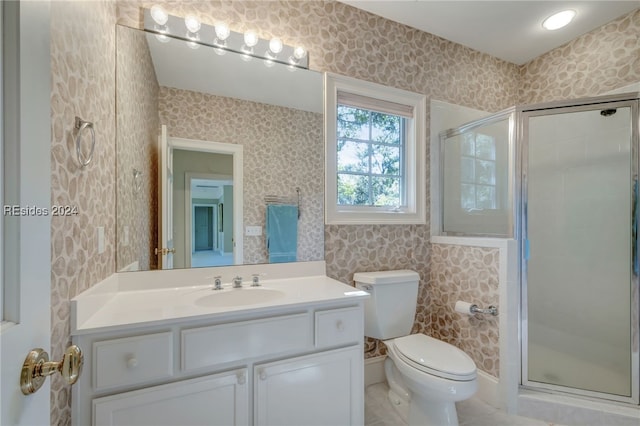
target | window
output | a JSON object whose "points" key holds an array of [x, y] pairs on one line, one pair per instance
{"points": [[369, 157], [478, 172], [374, 153], [476, 177]]}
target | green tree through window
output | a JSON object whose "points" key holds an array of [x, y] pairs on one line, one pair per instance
{"points": [[370, 152]]}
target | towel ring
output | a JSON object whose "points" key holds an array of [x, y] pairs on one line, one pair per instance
{"points": [[80, 126]]}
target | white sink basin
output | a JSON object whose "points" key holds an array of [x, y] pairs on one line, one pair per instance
{"points": [[239, 297]]}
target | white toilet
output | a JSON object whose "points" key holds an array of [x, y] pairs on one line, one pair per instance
{"points": [[425, 374]]}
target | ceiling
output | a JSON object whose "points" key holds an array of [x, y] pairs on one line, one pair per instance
{"points": [[509, 30]]}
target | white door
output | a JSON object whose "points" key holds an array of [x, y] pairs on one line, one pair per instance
{"points": [[320, 389], [26, 170], [165, 248], [222, 400]]}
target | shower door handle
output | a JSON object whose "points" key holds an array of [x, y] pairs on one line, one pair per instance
{"points": [[635, 210]]}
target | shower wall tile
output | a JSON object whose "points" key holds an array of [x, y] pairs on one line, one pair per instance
{"points": [[469, 274], [595, 63], [138, 128], [82, 84], [282, 150]]}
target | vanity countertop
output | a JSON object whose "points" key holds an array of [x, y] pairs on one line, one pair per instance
{"points": [[98, 310]]}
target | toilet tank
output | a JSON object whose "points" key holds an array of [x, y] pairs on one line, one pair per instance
{"points": [[391, 309]]}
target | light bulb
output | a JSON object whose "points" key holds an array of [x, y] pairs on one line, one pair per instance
{"points": [[193, 37], [159, 15], [192, 23], [222, 31], [559, 20], [162, 38], [275, 45], [299, 52], [250, 38], [193, 45]]}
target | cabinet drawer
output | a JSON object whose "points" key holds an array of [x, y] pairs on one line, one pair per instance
{"points": [[132, 360], [218, 344], [339, 326]]}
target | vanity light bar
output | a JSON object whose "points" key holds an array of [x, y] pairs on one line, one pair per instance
{"points": [[248, 44]]}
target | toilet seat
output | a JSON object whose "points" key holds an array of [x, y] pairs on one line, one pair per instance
{"points": [[435, 357]]}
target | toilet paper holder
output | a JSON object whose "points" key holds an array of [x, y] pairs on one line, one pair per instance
{"points": [[492, 310]]}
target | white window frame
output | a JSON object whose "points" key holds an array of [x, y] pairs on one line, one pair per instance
{"points": [[415, 211]]}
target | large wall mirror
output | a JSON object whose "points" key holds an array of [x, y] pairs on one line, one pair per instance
{"points": [[202, 106]]}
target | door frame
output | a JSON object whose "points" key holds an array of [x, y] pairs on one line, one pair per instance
{"points": [[631, 100], [26, 145], [236, 151], [188, 213]]}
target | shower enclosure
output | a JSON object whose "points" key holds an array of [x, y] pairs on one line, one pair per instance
{"points": [[562, 179]]}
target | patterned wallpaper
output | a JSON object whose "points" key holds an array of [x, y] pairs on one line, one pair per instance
{"points": [[340, 39], [283, 148], [597, 62], [469, 274], [351, 42], [82, 84], [138, 127]]}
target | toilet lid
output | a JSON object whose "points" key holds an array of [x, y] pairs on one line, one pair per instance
{"points": [[436, 357]]}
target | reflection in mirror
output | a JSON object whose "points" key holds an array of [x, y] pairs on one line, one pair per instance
{"points": [[273, 112]]}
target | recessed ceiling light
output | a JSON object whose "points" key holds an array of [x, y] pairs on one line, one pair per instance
{"points": [[559, 19]]}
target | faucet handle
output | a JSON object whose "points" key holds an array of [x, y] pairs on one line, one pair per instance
{"points": [[255, 280], [217, 281], [237, 281]]}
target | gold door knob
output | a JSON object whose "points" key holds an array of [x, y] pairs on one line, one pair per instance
{"points": [[37, 367]]}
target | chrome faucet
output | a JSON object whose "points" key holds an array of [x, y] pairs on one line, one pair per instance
{"points": [[237, 282], [217, 281]]}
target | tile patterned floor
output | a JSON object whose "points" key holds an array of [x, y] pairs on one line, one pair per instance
{"points": [[473, 412]]}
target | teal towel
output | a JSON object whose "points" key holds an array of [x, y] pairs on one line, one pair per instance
{"points": [[282, 232]]}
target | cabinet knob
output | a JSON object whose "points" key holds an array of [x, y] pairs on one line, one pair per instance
{"points": [[340, 325], [263, 375], [132, 362]]}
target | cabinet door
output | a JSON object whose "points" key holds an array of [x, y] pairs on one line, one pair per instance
{"points": [[221, 399], [320, 389]]}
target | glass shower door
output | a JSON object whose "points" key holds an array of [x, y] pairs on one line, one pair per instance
{"points": [[578, 167]]}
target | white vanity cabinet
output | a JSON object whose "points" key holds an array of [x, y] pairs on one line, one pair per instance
{"points": [[221, 400], [299, 365], [319, 389]]}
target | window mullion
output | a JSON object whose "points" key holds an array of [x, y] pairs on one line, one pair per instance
{"points": [[370, 151]]}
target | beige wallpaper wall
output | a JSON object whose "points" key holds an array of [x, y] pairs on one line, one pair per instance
{"points": [[283, 148], [82, 84], [602, 60], [137, 140], [340, 39], [469, 274], [351, 42]]}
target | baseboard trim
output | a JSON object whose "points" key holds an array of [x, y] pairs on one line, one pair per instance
{"points": [[488, 389], [374, 370]]}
